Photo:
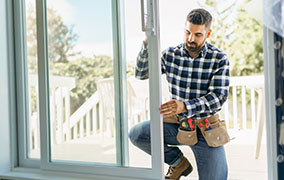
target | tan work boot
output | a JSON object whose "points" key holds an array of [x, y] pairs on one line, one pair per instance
{"points": [[182, 169]]}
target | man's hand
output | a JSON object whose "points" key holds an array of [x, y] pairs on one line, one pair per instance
{"points": [[172, 107]]}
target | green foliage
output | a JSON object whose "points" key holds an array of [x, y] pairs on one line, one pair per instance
{"points": [[31, 38], [238, 34], [246, 51]]}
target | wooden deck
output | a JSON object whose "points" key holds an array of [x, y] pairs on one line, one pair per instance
{"points": [[240, 156]]}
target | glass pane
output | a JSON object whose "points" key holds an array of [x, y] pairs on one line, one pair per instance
{"points": [[82, 123], [231, 34], [31, 44], [138, 90]]}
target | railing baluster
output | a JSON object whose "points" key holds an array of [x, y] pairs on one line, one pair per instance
{"points": [[259, 101], [252, 95], [52, 116], [235, 108], [82, 127], [75, 131], [88, 127], [244, 109], [226, 113], [101, 119], [94, 119]]}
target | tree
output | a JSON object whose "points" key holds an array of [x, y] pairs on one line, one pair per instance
{"points": [[238, 34], [246, 48], [61, 39]]}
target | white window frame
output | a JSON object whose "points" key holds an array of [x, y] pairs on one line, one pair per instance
{"points": [[157, 170], [22, 85]]}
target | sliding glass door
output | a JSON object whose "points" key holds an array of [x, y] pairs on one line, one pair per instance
{"points": [[82, 94]]}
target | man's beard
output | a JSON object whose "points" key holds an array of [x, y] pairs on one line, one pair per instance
{"points": [[193, 47]]}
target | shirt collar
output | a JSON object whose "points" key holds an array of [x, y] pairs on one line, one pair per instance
{"points": [[204, 49]]}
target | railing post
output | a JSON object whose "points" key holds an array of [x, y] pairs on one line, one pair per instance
{"points": [[36, 122], [59, 100], [52, 116], [67, 114], [261, 120], [30, 119]]}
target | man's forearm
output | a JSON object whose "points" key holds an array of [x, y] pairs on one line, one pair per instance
{"points": [[211, 102], [142, 68]]}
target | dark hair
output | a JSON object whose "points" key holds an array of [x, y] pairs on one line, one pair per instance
{"points": [[200, 17]]}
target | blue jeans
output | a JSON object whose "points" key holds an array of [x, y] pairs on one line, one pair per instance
{"points": [[211, 162]]}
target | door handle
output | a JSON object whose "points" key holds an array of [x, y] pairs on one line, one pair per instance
{"points": [[143, 16], [150, 17]]}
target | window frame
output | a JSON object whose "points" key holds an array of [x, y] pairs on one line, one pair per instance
{"points": [[44, 163], [22, 85]]}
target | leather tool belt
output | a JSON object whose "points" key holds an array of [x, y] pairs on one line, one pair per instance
{"points": [[212, 128]]}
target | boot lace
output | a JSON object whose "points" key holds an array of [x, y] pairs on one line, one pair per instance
{"points": [[171, 170]]}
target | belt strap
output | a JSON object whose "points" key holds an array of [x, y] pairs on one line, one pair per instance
{"points": [[212, 118]]}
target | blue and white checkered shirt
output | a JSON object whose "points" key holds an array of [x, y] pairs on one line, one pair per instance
{"points": [[202, 82]]}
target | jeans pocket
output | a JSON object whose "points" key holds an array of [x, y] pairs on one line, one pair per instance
{"points": [[187, 137], [217, 136]]}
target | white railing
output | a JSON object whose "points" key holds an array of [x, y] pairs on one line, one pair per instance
{"points": [[245, 112], [240, 112], [59, 107], [86, 120]]}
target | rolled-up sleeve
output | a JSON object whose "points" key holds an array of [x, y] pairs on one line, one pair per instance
{"points": [[142, 68]]}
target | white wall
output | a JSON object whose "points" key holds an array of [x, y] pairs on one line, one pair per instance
{"points": [[5, 160]]}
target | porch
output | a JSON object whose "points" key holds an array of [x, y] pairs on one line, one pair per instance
{"points": [[88, 134], [240, 153]]}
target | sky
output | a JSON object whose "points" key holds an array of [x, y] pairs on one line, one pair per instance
{"points": [[92, 21]]}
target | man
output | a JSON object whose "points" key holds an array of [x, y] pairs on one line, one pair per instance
{"points": [[198, 79]]}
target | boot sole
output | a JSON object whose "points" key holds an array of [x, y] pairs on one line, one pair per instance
{"points": [[187, 171]]}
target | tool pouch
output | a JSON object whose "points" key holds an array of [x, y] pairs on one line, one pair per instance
{"points": [[218, 135], [187, 137], [187, 133], [171, 119]]}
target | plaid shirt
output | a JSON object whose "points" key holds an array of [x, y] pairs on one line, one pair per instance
{"points": [[201, 83]]}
